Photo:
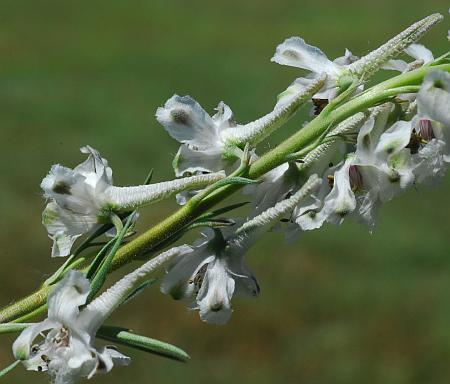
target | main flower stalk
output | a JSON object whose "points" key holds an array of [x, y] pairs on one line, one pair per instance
{"points": [[336, 112]]}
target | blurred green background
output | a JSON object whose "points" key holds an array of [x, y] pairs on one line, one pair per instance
{"points": [[341, 305]]}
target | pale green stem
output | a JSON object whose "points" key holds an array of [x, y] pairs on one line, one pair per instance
{"points": [[277, 156]]}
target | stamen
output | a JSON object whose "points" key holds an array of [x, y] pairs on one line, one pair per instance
{"points": [[198, 278], [356, 179]]}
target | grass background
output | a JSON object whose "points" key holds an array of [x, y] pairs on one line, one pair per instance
{"points": [[341, 305]]}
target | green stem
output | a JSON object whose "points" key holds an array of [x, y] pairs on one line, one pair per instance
{"points": [[167, 228]]}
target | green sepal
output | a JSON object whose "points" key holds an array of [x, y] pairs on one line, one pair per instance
{"points": [[138, 290], [212, 223], [237, 180], [69, 262], [443, 59], [149, 177], [123, 336], [99, 268], [223, 210]]}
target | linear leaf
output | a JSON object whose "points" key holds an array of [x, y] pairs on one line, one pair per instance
{"points": [[123, 336]]}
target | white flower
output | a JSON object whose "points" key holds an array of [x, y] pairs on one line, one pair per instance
{"points": [[295, 52], [83, 198], [216, 270], [382, 157], [342, 71], [67, 351], [213, 273], [210, 144]]}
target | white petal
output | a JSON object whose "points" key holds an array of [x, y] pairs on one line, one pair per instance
{"points": [[117, 357], [76, 197], [176, 281], [309, 216], [395, 174], [273, 188], [431, 164], [246, 284], [341, 200], [296, 53], [395, 65], [394, 139], [81, 357], [347, 59], [62, 244], [215, 294], [64, 227], [22, 345], [420, 52], [67, 296], [95, 164], [433, 99], [187, 122], [224, 117], [368, 208], [191, 161], [71, 190]]}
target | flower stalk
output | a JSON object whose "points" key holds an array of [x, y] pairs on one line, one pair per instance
{"points": [[385, 91]]}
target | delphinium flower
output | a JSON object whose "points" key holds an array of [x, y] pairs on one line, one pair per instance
{"points": [[83, 198], [210, 144], [389, 157], [66, 349], [343, 71], [431, 126], [379, 169], [216, 270], [295, 52]]}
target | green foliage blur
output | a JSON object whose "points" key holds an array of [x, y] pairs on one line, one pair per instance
{"points": [[339, 306]]}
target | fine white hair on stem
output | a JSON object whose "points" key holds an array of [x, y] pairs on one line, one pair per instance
{"points": [[131, 197]]}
